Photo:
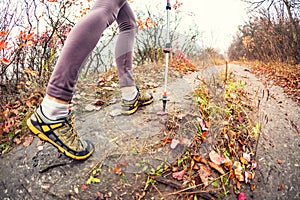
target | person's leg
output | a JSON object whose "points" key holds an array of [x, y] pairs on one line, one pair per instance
{"points": [[51, 121], [131, 97], [80, 42]]}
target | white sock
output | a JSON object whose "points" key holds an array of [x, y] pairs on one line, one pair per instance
{"points": [[129, 93], [54, 110]]}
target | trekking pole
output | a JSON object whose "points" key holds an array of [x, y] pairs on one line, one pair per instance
{"points": [[167, 52]]}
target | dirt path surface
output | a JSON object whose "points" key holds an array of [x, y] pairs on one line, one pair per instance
{"points": [[278, 174], [131, 145]]}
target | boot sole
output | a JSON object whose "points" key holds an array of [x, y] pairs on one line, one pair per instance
{"points": [[42, 136]]}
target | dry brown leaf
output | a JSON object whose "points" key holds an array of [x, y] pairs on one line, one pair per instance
{"points": [[238, 171], [228, 164], [217, 167], [200, 159], [204, 173], [28, 140], [17, 140]]}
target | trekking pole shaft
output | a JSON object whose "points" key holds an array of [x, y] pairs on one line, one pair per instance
{"points": [[168, 46], [166, 73], [167, 51]]}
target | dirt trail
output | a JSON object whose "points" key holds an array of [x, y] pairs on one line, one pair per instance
{"points": [[278, 174], [133, 144]]}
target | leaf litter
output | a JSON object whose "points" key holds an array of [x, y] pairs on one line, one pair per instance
{"points": [[230, 164]]}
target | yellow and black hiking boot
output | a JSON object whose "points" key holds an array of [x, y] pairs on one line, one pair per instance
{"points": [[141, 99], [60, 133]]}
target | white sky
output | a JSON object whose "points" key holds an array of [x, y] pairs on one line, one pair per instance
{"points": [[218, 20]]}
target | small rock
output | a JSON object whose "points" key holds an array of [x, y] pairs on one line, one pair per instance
{"points": [[89, 108], [115, 112]]}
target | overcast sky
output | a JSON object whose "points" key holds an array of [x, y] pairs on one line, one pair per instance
{"points": [[218, 20]]}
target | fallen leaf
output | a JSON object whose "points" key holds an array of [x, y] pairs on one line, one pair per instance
{"points": [[248, 176], [216, 167], [166, 141], [240, 118], [243, 160], [39, 143], [253, 187], [200, 159], [253, 165], [118, 169], [247, 157], [17, 140], [100, 195], [238, 171], [5, 61], [28, 140], [204, 173], [84, 186], [216, 158], [242, 196], [228, 164], [202, 124], [280, 187], [178, 175]]}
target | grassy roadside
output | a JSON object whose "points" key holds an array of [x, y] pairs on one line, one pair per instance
{"points": [[221, 159]]}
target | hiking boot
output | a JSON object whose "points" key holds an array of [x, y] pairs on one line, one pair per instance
{"points": [[141, 99], [60, 133]]}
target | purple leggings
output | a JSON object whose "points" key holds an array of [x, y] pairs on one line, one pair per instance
{"points": [[83, 39]]}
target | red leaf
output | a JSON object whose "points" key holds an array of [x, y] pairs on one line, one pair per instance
{"points": [[5, 61], [179, 175], [84, 186], [242, 196]]}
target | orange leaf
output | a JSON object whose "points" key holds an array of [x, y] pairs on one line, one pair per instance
{"points": [[5, 61], [166, 141], [244, 161], [3, 44], [200, 159], [118, 169], [216, 167], [2, 33]]}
